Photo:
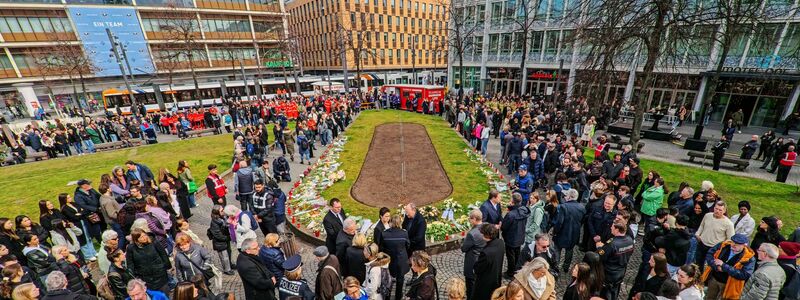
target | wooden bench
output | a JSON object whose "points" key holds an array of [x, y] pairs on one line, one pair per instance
{"points": [[108, 146], [617, 143], [200, 132], [740, 164], [135, 142], [36, 156]]}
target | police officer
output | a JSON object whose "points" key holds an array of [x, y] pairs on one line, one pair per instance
{"points": [[719, 151], [262, 203], [292, 283], [615, 254], [524, 184]]}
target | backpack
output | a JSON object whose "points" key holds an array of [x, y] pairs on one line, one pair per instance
{"points": [[303, 144], [253, 223], [544, 226], [104, 288], [250, 149], [387, 282]]}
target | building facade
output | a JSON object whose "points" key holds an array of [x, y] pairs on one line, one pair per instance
{"points": [[47, 46], [375, 36], [760, 77]]}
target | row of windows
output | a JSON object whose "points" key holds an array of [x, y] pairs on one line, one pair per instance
{"points": [[34, 25], [156, 25], [232, 54], [217, 25], [178, 55], [320, 6]]}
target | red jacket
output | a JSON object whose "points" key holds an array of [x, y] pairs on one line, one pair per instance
{"points": [[215, 187], [788, 159]]}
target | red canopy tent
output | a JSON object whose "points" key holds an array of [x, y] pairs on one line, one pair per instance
{"points": [[408, 92]]}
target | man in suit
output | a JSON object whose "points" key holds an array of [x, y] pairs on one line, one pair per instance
{"points": [[333, 223], [343, 240], [489, 266], [471, 247], [258, 281], [490, 209], [416, 226]]}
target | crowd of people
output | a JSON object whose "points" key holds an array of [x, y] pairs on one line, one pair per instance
{"points": [[690, 249]]}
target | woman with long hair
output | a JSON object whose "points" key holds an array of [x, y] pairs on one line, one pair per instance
{"points": [[10, 239], [13, 276], [26, 226], [578, 289], [26, 291], [456, 289], [768, 232], [119, 184], [180, 191], [185, 176], [512, 291], [75, 215], [66, 234], [48, 213], [221, 238], [185, 291], [652, 280], [597, 276], [551, 196], [688, 278], [648, 182]]}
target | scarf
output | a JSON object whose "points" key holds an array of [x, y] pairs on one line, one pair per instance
{"points": [[537, 285]]}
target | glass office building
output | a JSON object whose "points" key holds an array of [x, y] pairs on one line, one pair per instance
{"points": [[761, 75]]}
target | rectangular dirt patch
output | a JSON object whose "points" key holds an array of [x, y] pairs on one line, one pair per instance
{"points": [[401, 166]]}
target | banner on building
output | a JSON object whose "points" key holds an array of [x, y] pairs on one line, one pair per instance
{"points": [[91, 24]]}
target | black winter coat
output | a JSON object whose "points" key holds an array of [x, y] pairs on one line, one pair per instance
{"points": [[220, 235], [676, 243], [74, 276], [513, 226], [395, 244], [149, 263], [567, 224], [416, 228], [14, 246], [66, 295], [89, 200], [343, 241], [355, 261], [118, 280], [488, 270], [75, 215], [257, 280], [423, 287]]}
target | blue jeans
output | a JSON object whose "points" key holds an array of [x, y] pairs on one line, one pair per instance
{"points": [[89, 145], [304, 155], [78, 147], [88, 248], [192, 202], [484, 145]]}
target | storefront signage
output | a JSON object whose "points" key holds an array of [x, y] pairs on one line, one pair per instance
{"points": [[545, 75], [278, 63], [754, 70]]}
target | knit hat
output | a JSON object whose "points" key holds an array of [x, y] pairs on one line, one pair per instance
{"points": [[321, 251], [790, 250]]}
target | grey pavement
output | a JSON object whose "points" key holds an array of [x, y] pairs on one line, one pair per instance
{"points": [[674, 153]]}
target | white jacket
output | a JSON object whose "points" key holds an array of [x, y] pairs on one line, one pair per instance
{"points": [[373, 281]]}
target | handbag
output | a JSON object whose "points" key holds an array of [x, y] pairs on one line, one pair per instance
{"points": [[192, 187], [94, 218], [207, 273]]}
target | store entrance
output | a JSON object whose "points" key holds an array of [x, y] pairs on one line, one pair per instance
{"points": [[744, 102]]}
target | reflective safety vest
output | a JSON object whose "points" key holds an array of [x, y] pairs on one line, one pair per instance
{"points": [[788, 159], [599, 149], [219, 187]]}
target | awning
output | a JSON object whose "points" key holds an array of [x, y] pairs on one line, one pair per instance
{"points": [[369, 76]]}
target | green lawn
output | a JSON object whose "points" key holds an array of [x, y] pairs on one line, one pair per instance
{"points": [[469, 184], [24, 185], [766, 198]]}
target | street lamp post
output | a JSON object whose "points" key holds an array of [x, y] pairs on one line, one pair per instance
{"points": [[114, 49]]}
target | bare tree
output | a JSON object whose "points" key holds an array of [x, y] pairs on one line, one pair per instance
{"points": [[356, 39], [737, 19], [461, 29], [288, 49], [523, 17], [170, 63], [628, 30], [67, 59], [183, 34]]}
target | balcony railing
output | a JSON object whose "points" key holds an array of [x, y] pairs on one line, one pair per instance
{"points": [[221, 5]]}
